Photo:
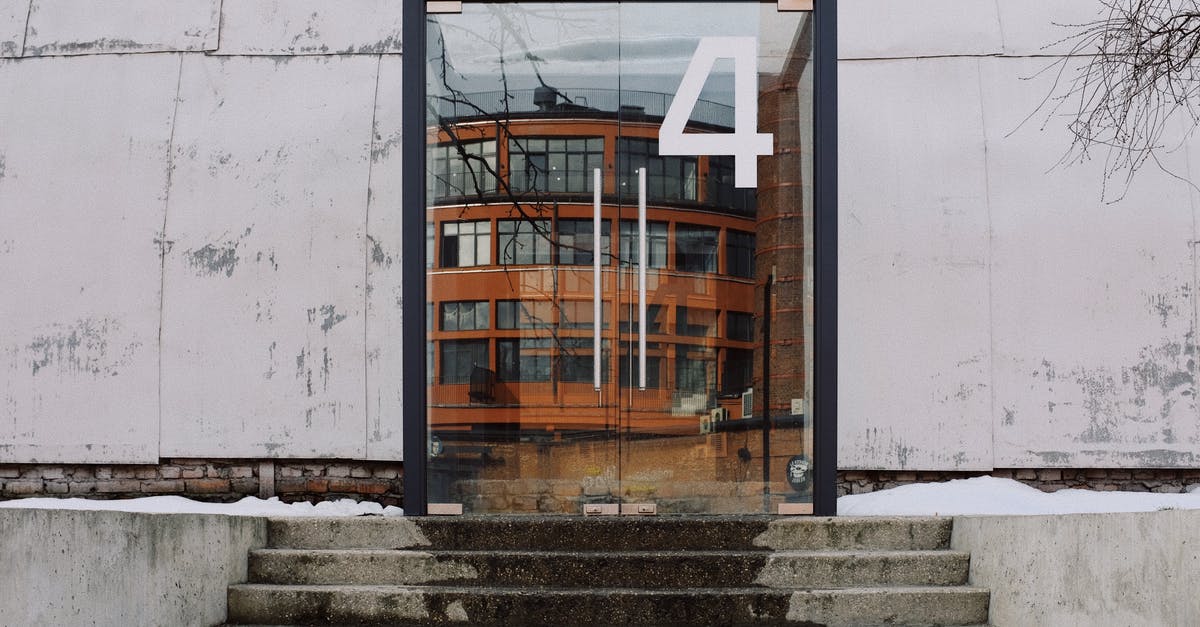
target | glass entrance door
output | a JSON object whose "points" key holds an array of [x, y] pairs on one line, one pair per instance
{"points": [[618, 278]]}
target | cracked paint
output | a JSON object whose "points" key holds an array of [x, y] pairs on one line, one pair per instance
{"points": [[80, 348]]}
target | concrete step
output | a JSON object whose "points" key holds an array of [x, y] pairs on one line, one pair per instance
{"points": [[666, 533], [617, 569], [432, 605]]}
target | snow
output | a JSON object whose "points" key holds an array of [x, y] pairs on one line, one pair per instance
{"points": [[989, 495], [249, 506], [975, 496]]}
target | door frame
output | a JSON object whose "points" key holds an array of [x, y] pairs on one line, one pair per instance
{"points": [[825, 215]]}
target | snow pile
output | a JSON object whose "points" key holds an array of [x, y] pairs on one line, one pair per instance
{"points": [[989, 495], [249, 506]]}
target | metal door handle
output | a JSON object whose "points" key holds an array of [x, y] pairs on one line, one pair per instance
{"points": [[642, 259], [596, 311]]}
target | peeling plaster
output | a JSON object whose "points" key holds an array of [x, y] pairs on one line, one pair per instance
{"points": [[88, 47], [80, 348]]}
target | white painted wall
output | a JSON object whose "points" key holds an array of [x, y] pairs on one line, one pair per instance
{"points": [[200, 242]]}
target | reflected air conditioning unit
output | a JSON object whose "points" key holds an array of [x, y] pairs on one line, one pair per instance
{"points": [[706, 425], [719, 414], [748, 403]]}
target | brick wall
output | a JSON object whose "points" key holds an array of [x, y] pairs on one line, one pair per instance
{"points": [[1045, 479], [219, 480]]}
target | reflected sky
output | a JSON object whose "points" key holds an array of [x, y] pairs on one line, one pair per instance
{"points": [[633, 46]]}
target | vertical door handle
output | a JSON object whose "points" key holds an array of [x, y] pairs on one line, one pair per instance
{"points": [[597, 314], [642, 260]]}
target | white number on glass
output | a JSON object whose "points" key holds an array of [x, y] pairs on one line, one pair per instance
{"points": [[745, 143]]}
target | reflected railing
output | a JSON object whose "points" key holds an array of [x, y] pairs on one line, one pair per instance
{"points": [[627, 102]]}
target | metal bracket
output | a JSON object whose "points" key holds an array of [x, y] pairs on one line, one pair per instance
{"points": [[600, 509], [444, 509], [639, 509], [795, 5], [443, 6]]}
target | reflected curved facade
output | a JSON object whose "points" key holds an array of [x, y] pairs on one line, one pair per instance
{"points": [[522, 415]]}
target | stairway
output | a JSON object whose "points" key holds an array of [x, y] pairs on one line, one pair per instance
{"points": [[725, 570]]}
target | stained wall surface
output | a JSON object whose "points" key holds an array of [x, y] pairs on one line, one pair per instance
{"points": [[200, 242]]}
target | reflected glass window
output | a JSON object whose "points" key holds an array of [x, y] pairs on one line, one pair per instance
{"points": [[554, 164], [469, 315], [462, 169], [629, 367], [739, 368], [695, 368], [575, 242], [739, 253], [695, 248], [575, 359], [667, 178], [525, 359], [466, 244], [655, 315], [739, 326], [656, 243], [579, 314], [523, 314], [695, 322], [460, 357], [524, 242], [721, 192]]}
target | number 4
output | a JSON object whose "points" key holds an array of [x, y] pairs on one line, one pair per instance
{"points": [[745, 143]]}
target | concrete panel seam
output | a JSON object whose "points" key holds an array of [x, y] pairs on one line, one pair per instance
{"points": [[367, 263], [987, 196], [164, 244], [25, 38]]}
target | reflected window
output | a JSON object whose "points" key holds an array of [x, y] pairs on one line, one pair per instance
{"points": [[461, 169], [695, 368], [739, 253], [523, 314], [721, 191], [466, 244], [579, 314], [575, 242], [562, 164], [739, 326], [667, 178], [695, 322], [695, 248], [629, 367], [575, 359], [738, 371], [525, 359], [524, 242], [460, 357], [655, 314], [470, 315], [656, 243]]}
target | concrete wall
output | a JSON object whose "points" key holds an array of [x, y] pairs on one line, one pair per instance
{"points": [[200, 242], [1086, 569], [120, 568], [996, 311]]}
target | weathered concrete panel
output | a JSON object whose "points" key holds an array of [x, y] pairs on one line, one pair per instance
{"points": [[263, 322], [71, 568], [385, 377], [12, 26], [81, 202], [1086, 569], [884, 29], [310, 27], [914, 351], [66, 27], [1036, 27], [1093, 302]]}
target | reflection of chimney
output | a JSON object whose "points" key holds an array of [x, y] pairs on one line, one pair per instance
{"points": [[545, 98]]}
